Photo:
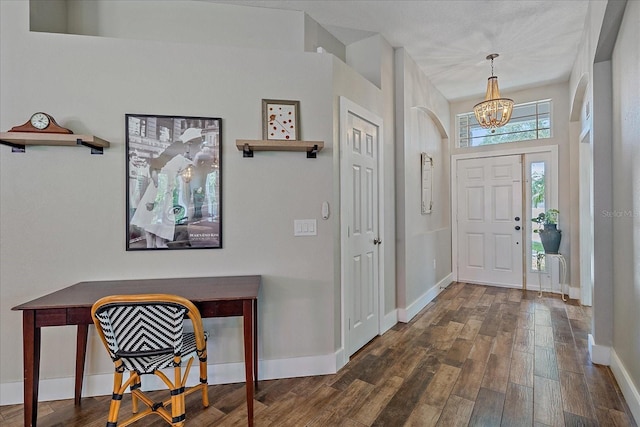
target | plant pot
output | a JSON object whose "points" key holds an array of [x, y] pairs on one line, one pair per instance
{"points": [[550, 237]]}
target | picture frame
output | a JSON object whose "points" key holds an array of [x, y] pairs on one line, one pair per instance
{"points": [[426, 172], [173, 182], [280, 120]]}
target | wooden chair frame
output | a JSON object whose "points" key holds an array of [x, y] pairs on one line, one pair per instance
{"points": [[177, 386]]}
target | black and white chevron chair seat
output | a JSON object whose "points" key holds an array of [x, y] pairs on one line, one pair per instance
{"points": [[144, 334]]}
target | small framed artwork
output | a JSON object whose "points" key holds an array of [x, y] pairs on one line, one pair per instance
{"points": [[427, 182], [280, 120], [174, 174]]}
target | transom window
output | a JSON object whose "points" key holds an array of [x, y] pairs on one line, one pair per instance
{"points": [[528, 121]]}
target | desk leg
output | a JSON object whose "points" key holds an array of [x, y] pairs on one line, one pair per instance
{"points": [[31, 362], [255, 342], [81, 353], [247, 314]]}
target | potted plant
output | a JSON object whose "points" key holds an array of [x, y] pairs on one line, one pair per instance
{"points": [[549, 234]]}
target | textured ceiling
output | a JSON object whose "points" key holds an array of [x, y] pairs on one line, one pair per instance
{"points": [[450, 39]]}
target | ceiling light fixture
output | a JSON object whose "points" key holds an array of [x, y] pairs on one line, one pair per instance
{"points": [[494, 111]]}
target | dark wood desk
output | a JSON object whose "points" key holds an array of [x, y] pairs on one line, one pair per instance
{"points": [[214, 297]]}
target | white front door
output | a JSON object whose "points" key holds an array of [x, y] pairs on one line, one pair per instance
{"points": [[360, 210], [490, 220]]}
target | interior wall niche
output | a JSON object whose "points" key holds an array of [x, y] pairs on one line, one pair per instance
{"points": [[48, 16]]}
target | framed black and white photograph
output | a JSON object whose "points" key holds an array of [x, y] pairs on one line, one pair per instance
{"points": [[174, 174], [280, 120], [426, 190]]}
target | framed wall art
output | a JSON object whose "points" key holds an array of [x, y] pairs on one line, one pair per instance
{"points": [[426, 170], [280, 120], [174, 174]]}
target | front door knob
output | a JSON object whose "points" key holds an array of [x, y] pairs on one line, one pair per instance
{"points": [[517, 227], [377, 241]]}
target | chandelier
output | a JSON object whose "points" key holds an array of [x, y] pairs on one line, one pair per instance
{"points": [[494, 111]]}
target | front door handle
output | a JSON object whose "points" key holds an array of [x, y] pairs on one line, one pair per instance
{"points": [[377, 241], [517, 227]]}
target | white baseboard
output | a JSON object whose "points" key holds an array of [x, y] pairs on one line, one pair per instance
{"points": [[406, 314], [386, 323], [446, 281], [226, 373], [389, 321], [295, 367], [600, 354], [574, 293], [629, 390], [341, 360]]}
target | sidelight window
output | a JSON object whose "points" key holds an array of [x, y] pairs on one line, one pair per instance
{"points": [[538, 204]]}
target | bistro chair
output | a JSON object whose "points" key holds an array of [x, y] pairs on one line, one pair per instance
{"points": [[144, 334]]}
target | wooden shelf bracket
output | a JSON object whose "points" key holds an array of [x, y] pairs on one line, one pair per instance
{"points": [[15, 148], [95, 149], [313, 152]]}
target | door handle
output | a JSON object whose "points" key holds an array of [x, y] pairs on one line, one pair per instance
{"points": [[517, 218], [377, 241], [517, 227]]}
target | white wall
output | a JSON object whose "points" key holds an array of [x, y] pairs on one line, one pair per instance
{"points": [[62, 210], [581, 88], [364, 56], [422, 117], [587, 49], [613, 94], [601, 131], [626, 198], [188, 22], [316, 36]]}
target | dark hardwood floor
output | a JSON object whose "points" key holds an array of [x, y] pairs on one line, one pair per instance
{"points": [[475, 356]]}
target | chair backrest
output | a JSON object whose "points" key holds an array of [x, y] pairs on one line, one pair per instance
{"points": [[143, 325]]}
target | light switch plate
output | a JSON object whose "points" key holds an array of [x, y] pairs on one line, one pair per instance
{"points": [[305, 227]]}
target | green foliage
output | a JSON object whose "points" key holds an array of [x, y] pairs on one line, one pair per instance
{"points": [[537, 189], [548, 217], [536, 247]]}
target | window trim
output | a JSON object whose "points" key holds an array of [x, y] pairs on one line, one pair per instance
{"points": [[472, 122]]}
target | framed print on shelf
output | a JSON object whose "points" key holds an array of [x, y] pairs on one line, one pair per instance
{"points": [[174, 182], [426, 172], [280, 120]]}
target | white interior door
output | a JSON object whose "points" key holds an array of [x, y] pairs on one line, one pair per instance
{"points": [[490, 220], [360, 207]]}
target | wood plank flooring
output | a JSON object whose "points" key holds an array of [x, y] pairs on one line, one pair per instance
{"points": [[475, 356]]}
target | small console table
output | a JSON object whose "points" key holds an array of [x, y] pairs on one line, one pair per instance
{"points": [[214, 297], [563, 270]]}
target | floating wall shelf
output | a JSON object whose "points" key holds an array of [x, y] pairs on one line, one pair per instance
{"points": [[248, 146], [19, 140]]}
